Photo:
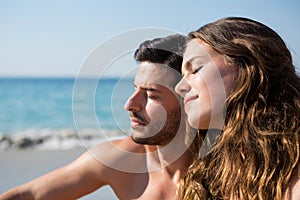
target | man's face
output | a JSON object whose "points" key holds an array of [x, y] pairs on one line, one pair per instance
{"points": [[154, 107]]}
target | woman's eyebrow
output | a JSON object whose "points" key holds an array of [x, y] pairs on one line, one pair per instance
{"points": [[192, 59]]}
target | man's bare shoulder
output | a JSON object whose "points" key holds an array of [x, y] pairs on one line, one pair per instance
{"points": [[125, 145], [119, 155]]}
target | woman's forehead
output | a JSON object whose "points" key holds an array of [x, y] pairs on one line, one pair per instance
{"points": [[195, 51], [196, 48]]}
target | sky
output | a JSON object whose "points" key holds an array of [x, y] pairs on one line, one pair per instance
{"points": [[40, 38]]}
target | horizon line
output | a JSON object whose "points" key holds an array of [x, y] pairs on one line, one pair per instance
{"points": [[61, 77]]}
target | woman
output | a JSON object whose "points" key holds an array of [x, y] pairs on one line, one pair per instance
{"points": [[238, 78]]}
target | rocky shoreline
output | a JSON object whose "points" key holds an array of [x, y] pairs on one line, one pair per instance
{"points": [[48, 139]]}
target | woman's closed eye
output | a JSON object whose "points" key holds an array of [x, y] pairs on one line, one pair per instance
{"points": [[197, 70]]}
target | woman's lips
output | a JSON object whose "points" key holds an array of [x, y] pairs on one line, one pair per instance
{"points": [[189, 99]]}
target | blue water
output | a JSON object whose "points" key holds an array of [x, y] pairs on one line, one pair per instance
{"points": [[39, 103]]}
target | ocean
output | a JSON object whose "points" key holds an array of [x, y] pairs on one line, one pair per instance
{"points": [[62, 113]]}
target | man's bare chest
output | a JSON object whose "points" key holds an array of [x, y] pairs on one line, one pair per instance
{"points": [[145, 186]]}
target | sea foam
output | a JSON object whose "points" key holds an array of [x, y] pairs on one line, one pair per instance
{"points": [[50, 139]]}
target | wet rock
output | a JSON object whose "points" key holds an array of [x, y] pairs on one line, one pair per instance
{"points": [[25, 143], [5, 142]]}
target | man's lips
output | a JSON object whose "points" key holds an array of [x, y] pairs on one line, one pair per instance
{"points": [[188, 99], [137, 121]]}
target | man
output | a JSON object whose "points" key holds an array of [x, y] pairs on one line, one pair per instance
{"points": [[147, 165]]}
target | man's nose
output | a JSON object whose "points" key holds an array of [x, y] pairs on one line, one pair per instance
{"points": [[182, 87], [135, 102]]}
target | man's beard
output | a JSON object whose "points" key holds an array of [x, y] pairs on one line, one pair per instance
{"points": [[166, 134]]}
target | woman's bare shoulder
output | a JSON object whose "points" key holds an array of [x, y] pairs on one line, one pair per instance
{"points": [[293, 191]]}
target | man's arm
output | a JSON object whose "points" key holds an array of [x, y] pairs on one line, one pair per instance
{"points": [[83, 176]]}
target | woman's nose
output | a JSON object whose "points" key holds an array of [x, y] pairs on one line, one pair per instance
{"points": [[182, 87]]}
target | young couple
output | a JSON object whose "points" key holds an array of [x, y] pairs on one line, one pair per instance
{"points": [[237, 82]]}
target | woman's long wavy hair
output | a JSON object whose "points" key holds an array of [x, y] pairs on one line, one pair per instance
{"points": [[257, 153]]}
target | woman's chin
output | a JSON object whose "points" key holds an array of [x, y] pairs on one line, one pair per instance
{"points": [[202, 124], [194, 123]]}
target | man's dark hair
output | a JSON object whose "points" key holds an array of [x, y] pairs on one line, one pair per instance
{"points": [[167, 50]]}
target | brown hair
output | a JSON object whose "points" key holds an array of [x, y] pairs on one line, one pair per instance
{"points": [[257, 153]]}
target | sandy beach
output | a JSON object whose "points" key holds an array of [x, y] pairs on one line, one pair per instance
{"points": [[17, 167]]}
